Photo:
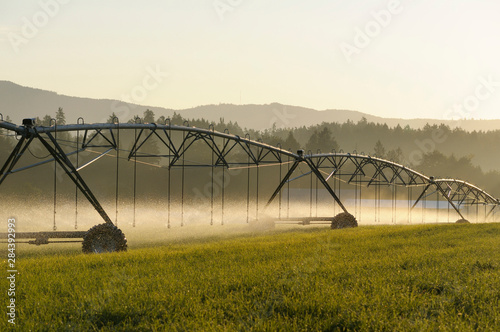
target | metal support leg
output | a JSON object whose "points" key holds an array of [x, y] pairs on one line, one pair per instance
{"points": [[449, 200], [490, 212], [420, 197], [73, 174], [282, 183], [14, 157], [325, 184]]}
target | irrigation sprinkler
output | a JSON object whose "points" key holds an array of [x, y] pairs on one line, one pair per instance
{"points": [[333, 172]]}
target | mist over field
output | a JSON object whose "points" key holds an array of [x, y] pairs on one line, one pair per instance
{"points": [[152, 216]]}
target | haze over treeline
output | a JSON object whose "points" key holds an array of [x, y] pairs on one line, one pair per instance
{"points": [[23, 102], [433, 150]]}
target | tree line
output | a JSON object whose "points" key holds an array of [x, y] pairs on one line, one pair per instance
{"points": [[432, 150]]}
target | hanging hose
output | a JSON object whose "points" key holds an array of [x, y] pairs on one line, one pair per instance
{"points": [[223, 181], [424, 206], [223, 194], [477, 212], [356, 192], [379, 187], [117, 122], [76, 187], [77, 161], [360, 199], [337, 180], [185, 124], [169, 160], [437, 206], [379, 201], [316, 188], [279, 180], [257, 196], [395, 203], [247, 136], [309, 152], [448, 213], [288, 190], [257, 191], [54, 227], [410, 193], [211, 127], [135, 170]]}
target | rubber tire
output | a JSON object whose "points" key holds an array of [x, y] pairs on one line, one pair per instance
{"points": [[104, 238], [462, 221], [344, 220]]}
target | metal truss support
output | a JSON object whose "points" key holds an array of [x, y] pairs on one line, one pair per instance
{"points": [[448, 199], [234, 151], [283, 181], [14, 157], [98, 133], [325, 184], [60, 156], [359, 169], [443, 193], [420, 197], [62, 159], [490, 212], [316, 172]]}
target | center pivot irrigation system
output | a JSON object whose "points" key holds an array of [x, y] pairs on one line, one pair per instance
{"points": [[230, 152]]}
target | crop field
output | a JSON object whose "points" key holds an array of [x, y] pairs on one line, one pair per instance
{"points": [[371, 278]]}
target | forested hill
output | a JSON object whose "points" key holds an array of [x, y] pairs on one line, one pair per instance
{"points": [[20, 102]]}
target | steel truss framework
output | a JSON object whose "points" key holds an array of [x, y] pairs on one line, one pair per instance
{"points": [[231, 151]]}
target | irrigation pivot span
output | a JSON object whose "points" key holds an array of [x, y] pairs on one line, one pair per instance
{"points": [[223, 150]]}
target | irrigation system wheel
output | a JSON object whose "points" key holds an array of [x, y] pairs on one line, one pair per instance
{"points": [[104, 238], [344, 220], [462, 221]]}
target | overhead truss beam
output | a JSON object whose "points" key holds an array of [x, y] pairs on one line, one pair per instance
{"points": [[234, 151]]}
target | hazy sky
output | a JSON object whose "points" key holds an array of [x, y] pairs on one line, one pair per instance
{"points": [[405, 58]]}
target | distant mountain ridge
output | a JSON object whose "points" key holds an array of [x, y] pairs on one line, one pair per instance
{"points": [[20, 102]]}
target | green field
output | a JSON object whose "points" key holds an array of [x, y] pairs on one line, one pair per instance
{"points": [[372, 278]]}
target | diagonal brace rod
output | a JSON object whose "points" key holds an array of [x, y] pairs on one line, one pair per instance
{"points": [[283, 181], [14, 157], [57, 152], [448, 199], [325, 184], [421, 196]]}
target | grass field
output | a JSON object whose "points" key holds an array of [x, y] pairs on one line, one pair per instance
{"points": [[375, 278]]}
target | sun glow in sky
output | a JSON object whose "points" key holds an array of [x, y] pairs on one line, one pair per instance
{"points": [[407, 59]]}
